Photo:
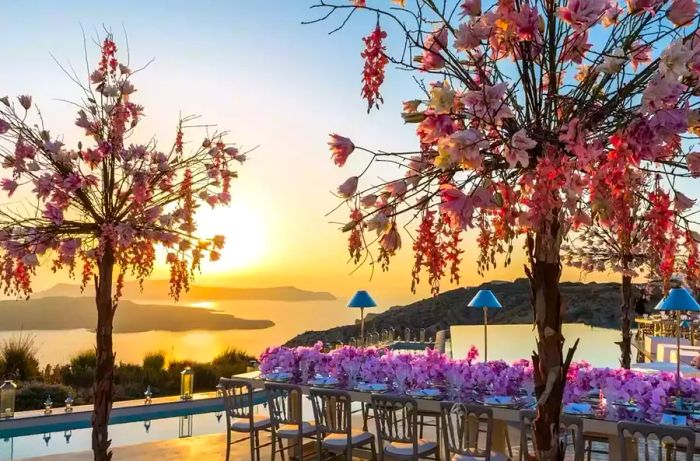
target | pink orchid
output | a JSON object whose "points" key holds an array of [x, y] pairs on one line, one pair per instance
{"points": [[368, 200], [341, 148], [640, 54], [391, 240]]}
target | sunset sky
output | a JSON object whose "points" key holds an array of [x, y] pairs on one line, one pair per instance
{"points": [[251, 68]]}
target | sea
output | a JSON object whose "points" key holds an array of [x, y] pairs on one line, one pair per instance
{"points": [[507, 342]]}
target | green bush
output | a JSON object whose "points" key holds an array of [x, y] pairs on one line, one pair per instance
{"points": [[18, 358], [32, 395], [81, 371]]}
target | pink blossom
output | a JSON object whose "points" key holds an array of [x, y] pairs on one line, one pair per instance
{"points": [[341, 148], [433, 45], [682, 202], [4, 126], [434, 127], [576, 46], [693, 162], [520, 143], [25, 101], [471, 8], [457, 206], [640, 54], [53, 214], [349, 187], [581, 14], [674, 60], [488, 103], [391, 240], [682, 12], [662, 91], [8, 185], [368, 200]]}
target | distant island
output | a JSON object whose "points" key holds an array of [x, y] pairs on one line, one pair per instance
{"points": [[594, 304], [68, 313], [159, 289]]}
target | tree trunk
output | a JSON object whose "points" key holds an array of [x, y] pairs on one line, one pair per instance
{"points": [[550, 366], [104, 370], [626, 314]]}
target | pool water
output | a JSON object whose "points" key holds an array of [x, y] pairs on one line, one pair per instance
{"points": [[121, 434]]}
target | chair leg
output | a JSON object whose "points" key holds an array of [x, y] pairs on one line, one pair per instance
{"points": [[273, 445], [299, 449], [281, 449], [257, 445], [252, 446], [420, 431], [373, 447], [228, 444], [318, 449]]}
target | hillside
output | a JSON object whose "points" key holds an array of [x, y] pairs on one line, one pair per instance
{"points": [[595, 304], [159, 289], [67, 313]]}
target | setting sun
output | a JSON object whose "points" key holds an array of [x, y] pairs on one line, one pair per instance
{"points": [[245, 236]]}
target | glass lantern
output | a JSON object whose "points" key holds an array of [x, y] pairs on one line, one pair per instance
{"points": [[69, 404], [186, 383], [48, 405], [148, 395], [8, 392]]}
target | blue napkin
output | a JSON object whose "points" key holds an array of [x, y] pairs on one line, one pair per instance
{"points": [[578, 408], [674, 420]]}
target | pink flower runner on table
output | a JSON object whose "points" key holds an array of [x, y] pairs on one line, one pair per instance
{"points": [[465, 378]]}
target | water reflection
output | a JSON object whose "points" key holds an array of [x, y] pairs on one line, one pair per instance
{"points": [[47, 438], [68, 434], [147, 425], [185, 426]]}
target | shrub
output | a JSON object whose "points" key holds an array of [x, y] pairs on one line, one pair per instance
{"points": [[154, 361], [18, 358], [81, 371], [31, 395], [230, 362]]}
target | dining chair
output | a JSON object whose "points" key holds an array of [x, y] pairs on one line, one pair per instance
{"points": [[396, 420], [571, 436], [333, 420], [241, 417], [463, 426], [284, 403], [655, 441]]}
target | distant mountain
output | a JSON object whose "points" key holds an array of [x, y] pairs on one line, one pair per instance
{"points": [[67, 313], [595, 304], [159, 289]]}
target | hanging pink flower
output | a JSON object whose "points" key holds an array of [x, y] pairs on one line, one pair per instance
{"points": [[471, 8], [375, 58], [341, 148]]}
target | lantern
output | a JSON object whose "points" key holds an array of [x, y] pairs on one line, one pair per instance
{"points": [[48, 404], [69, 404], [148, 395], [185, 426], [186, 383], [8, 391]]}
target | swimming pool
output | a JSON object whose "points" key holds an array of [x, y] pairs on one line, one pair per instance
{"points": [[41, 436]]}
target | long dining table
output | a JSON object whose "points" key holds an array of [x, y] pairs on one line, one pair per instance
{"points": [[503, 417]]}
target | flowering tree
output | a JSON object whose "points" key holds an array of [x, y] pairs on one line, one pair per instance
{"points": [[526, 101], [102, 208], [615, 239]]}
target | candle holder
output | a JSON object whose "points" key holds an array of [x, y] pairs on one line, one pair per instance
{"points": [[69, 404], [48, 405]]}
